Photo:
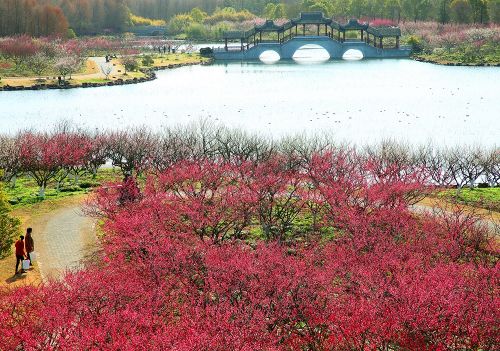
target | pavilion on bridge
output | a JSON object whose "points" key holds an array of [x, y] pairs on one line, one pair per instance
{"points": [[271, 32]]}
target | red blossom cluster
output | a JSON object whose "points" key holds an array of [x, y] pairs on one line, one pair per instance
{"points": [[280, 253], [18, 48], [453, 36], [379, 22]]}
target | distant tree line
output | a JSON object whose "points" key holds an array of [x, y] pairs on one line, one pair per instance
{"points": [[461, 11], [96, 16], [49, 17], [46, 17], [33, 17]]}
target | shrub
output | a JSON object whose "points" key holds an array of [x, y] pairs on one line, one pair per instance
{"points": [[130, 63], [179, 23], [86, 185], [70, 189], [196, 31], [147, 60], [9, 226], [415, 43], [71, 34], [142, 21]]}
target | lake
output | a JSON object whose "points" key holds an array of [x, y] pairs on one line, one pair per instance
{"points": [[357, 101]]}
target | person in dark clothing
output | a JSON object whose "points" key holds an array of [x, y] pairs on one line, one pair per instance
{"points": [[20, 253], [29, 244], [129, 190]]}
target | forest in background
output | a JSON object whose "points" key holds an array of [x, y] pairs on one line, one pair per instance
{"points": [[90, 17]]}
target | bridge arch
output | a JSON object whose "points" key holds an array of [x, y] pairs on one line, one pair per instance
{"points": [[269, 56], [311, 53], [353, 54]]}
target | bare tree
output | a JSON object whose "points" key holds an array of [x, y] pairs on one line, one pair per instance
{"points": [[68, 65], [466, 165], [10, 159], [106, 69], [435, 163], [39, 63], [491, 166], [133, 150]]}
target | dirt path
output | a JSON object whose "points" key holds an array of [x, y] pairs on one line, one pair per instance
{"points": [[63, 236], [489, 218]]}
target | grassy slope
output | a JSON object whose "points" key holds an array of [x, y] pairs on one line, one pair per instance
{"points": [[25, 192], [488, 198]]}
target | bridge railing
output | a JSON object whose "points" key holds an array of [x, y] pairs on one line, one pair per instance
{"points": [[293, 35]]}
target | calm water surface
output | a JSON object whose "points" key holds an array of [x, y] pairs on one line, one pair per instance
{"points": [[357, 101]]}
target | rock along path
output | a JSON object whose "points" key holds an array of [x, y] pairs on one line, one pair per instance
{"points": [[65, 239]]}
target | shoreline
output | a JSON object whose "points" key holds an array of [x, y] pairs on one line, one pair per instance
{"points": [[458, 64], [149, 75]]}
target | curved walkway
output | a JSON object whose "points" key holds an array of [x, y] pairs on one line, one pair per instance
{"points": [[63, 238], [67, 237]]}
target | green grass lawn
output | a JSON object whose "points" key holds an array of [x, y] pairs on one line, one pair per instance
{"points": [[91, 80], [168, 59], [26, 190], [488, 198]]}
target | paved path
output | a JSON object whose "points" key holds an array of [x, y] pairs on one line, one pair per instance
{"points": [[64, 241]]}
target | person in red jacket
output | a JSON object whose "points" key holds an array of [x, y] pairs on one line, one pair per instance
{"points": [[20, 253], [29, 244]]}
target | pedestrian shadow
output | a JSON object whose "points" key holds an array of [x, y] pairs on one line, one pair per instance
{"points": [[16, 278]]}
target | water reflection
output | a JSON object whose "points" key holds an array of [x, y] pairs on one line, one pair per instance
{"points": [[352, 55]]}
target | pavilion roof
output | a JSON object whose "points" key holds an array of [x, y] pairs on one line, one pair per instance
{"points": [[239, 34], [315, 17], [384, 31], [269, 26], [335, 25], [354, 24]]}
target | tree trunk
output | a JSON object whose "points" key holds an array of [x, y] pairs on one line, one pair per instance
{"points": [[41, 193], [13, 181]]}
